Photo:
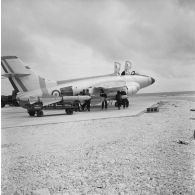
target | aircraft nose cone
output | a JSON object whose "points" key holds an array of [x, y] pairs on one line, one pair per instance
{"points": [[153, 80]]}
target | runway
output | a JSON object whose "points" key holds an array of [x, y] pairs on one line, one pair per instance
{"points": [[101, 152], [18, 117]]}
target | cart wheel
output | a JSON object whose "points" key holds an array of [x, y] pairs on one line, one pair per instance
{"points": [[31, 112], [69, 111], [39, 113], [2, 104]]}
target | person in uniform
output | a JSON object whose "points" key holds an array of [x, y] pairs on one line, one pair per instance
{"points": [[118, 99], [123, 73], [87, 103], [83, 92], [103, 99], [124, 99]]}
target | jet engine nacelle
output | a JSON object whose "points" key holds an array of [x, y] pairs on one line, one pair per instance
{"points": [[132, 87], [133, 90]]}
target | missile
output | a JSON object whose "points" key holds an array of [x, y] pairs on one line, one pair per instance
{"points": [[76, 98]]}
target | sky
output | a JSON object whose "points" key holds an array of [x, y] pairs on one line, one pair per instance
{"points": [[66, 39]]}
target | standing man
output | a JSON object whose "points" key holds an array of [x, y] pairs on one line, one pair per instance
{"points": [[124, 99], [118, 99], [87, 102], [104, 99], [83, 92], [83, 105]]}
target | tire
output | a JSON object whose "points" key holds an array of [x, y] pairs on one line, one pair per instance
{"points": [[39, 113], [76, 107], [31, 112], [2, 104], [16, 104], [69, 111]]}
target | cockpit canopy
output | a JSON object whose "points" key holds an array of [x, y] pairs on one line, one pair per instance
{"points": [[127, 69]]}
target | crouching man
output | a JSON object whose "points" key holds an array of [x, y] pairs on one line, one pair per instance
{"points": [[124, 99]]}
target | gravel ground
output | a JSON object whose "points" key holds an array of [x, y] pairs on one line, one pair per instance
{"points": [[128, 155]]}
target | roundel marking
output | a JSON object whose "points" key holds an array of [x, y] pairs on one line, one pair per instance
{"points": [[55, 93]]}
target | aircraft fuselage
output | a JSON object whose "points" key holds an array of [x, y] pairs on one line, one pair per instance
{"points": [[132, 83]]}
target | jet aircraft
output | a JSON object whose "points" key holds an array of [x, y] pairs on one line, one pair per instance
{"points": [[34, 92]]}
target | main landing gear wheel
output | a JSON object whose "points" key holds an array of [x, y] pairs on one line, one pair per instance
{"points": [[31, 112], [69, 111], [2, 104], [39, 113]]}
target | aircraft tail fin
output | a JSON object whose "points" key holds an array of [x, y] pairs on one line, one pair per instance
{"points": [[21, 77]]}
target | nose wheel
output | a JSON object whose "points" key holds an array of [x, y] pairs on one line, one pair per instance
{"points": [[69, 111]]}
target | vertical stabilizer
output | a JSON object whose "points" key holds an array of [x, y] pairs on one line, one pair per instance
{"points": [[21, 77]]}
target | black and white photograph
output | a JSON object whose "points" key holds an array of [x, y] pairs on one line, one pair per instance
{"points": [[98, 97]]}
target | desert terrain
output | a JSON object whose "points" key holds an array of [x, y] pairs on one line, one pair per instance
{"points": [[125, 151]]}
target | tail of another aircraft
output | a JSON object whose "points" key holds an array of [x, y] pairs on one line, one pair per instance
{"points": [[21, 77]]}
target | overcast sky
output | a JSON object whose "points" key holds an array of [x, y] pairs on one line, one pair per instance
{"points": [[65, 39]]}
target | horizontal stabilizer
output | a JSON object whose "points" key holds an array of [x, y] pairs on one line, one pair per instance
{"points": [[10, 75]]}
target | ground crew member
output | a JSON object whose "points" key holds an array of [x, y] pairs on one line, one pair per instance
{"points": [[104, 99], [124, 100], [83, 93], [87, 102], [118, 99]]}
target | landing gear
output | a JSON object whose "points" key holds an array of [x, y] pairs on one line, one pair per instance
{"points": [[39, 113], [125, 103], [69, 111]]}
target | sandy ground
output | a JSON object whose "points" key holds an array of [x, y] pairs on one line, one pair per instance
{"points": [[101, 152]]}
